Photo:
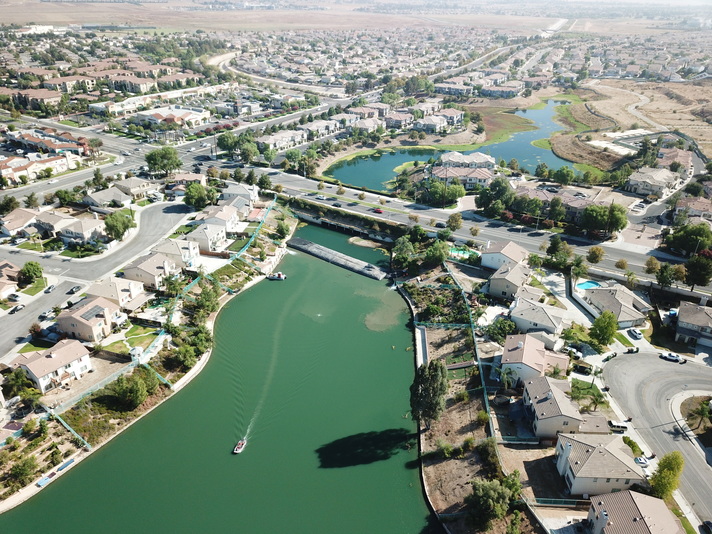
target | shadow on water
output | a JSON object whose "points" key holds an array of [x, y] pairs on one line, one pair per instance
{"points": [[433, 526], [365, 448]]}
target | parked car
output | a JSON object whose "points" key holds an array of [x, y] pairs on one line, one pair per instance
{"points": [[75, 289], [707, 526], [14, 297], [337, 204], [50, 288], [642, 461], [635, 333], [671, 357], [440, 225], [125, 153], [17, 308]]}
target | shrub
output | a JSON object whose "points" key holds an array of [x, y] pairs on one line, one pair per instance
{"points": [[462, 396], [468, 445], [482, 418], [637, 451], [445, 449], [487, 450]]}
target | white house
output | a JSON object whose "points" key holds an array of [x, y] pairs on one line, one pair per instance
{"points": [[505, 252], [592, 464], [527, 357], [183, 252], [151, 270], [66, 361]]}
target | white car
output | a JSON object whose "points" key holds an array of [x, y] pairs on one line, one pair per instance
{"points": [[642, 461], [635, 333], [205, 145], [320, 197], [191, 149], [125, 153], [52, 181], [671, 357]]}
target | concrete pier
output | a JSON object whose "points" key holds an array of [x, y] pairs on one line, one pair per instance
{"points": [[337, 258]]}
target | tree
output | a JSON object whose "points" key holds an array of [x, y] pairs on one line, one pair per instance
{"points": [[698, 271], [31, 201], [622, 264], [679, 272], [196, 196], [488, 501], [117, 224], [436, 253], [564, 176], [652, 265], [361, 196], [454, 221], [508, 376], [23, 471], [130, 392], [269, 155], [604, 328], [264, 182], [95, 145], [617, 218], [557, 212], [542, 171], [30, 272], [403, 250], [228, 142], [701, 413], [427, 393], [631, 279], [164, 159], [665, 275], [282, 229], [8, 204], [320, 186], [578, 268], [16, 382], [690, 238], [500, 329], [535, 261], [595, 254], [666, 478], [594, 218], [249, 152]]}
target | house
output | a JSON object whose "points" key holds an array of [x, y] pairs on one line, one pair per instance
{"points": [[647, 181], [431, 124], [9, 274], [552, 412], [320, 128], [454, 89], [120, 291], [51, 223], [630, 512], [694, 207], [282, 140], [17, 220], [66, 361], [474, 160], [592, 464], [224, 215], [83, 231], [151, 270], [345, 119], [469, 178], [209, 237], [667, 156], [528, 359], [694, 324], [507, 280], [629, 309], [183, 252], [91, 319], [453, 116], [398, 120], [190, 117], [136, 188], [505, 252], [187, 178], [366, 125], [530, 315], [112, 196]]}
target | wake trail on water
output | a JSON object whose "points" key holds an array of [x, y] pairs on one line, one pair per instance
{"points": [[277, 327]]}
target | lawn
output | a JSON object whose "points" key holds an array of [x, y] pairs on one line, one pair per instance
{"points": [[584, 388], [143, 203], [79, 253], [36, 344], [182, 230], [38, 285], [238, 244], [117, 346], [619, 336], [138, 330], [37, 246], [142, 341], [542, 143]]}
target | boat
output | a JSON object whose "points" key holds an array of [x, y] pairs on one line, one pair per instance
{"points": [[240, 446], [277, 276]]}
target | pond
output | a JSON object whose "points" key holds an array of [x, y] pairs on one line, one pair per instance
{"points": [[376, 170]]}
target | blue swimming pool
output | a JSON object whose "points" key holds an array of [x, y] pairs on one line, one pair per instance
{"points": [[588, 284]]}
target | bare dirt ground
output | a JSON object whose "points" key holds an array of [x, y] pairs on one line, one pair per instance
{"points": [[672, 105], [702, 429]]}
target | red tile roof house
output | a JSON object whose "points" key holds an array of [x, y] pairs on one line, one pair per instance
{"points": [[56, 366]]}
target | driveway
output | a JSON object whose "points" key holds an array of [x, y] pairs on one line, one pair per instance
{"points": [[644, 386]]}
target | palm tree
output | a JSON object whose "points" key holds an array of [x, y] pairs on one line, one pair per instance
{"points": [[508, 376], [701, 413], [596, 398]]}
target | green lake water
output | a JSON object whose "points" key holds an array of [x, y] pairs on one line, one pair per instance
{"points": [[315, 370]]}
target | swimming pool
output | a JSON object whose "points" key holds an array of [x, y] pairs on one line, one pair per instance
{"points": [[588, 284]]}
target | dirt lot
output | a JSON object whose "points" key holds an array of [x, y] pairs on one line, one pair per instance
{"points": [[537, 469]]}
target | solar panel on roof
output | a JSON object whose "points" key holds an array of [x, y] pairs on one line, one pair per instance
{"points": [[92, 312]]}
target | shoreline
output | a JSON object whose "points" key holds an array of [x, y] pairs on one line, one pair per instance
{"points": [[31, 490]]}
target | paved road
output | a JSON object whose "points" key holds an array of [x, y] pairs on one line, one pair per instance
{"points": [[643, 385]]}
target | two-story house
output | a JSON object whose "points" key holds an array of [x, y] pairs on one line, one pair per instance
{"points": [[551, 411], [183, 252], [694, 325], [118, 290], [528, 358], [91, 319], [630, 512], [66, 361], [508, 279], [151, 270], [501, 253]]}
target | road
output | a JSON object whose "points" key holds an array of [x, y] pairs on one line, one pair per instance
{"points": [[643, 384]]}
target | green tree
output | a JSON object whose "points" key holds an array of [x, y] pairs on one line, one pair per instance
{"points": [[31, 201], [282, 229], [622, 264], [564, 176], [454, 221], [436, 253], [699, 271], [23, 471], [666, 478], [228, 142], [249, 152], [578, 268], [30, 272], [488, 501], [594, 218], [617, 218], [690, 238], [264, 182], [403, 250], [8, 204], [269, 155], [95, 145], [665, 276], [164, 160], [604, 328], [130, 392], [196, 196], [702, 413], [30, 396], [542, 171], [427, 393], [500, 329], [117, 224], [595, 254], [535, 261], [16, 382]]}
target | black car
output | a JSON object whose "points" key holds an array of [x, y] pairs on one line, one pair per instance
{"points": [[75, 289], [17, 308], [337, 204], [707, 527]]}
